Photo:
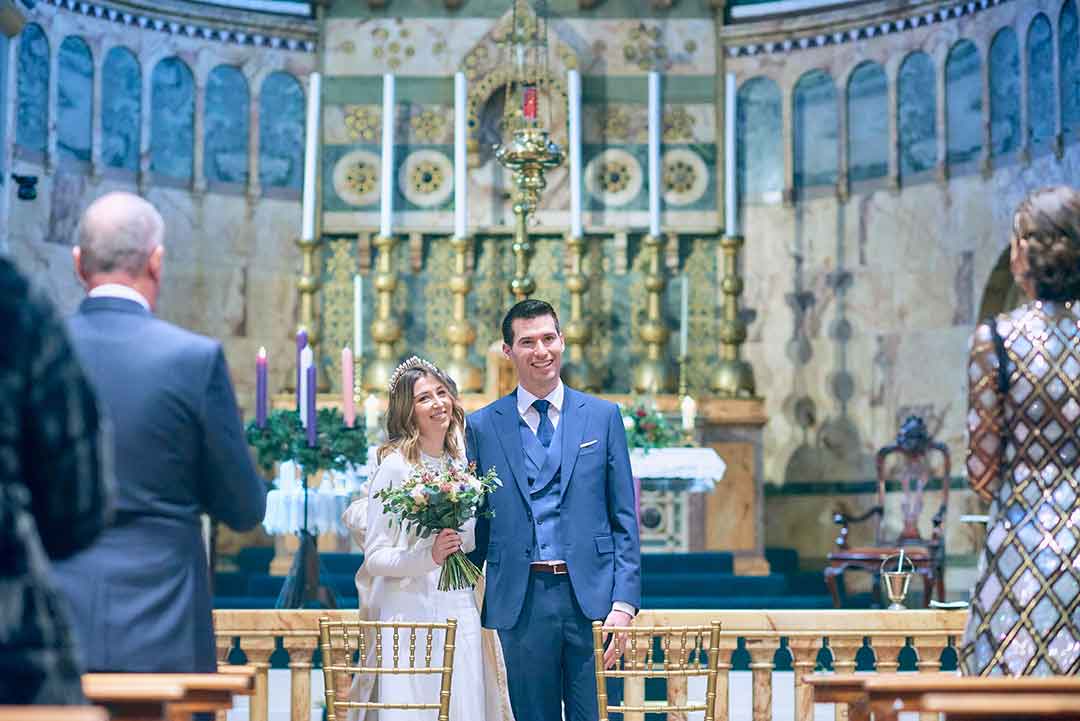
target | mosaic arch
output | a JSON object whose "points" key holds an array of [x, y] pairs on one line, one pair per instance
{"points": [[281, 132], [226, 146], [1041, 103], [917, 114], [868, 123], [74, 112], [32, 89], [817, 129], [759, 150], [1004, 93], [1069, 66], [963, 103], [121, 111], [172, 119]]}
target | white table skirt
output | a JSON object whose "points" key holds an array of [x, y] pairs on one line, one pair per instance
{"points": [[696, 470]]}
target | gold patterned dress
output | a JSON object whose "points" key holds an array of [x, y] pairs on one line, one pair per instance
{"points": [[1024, 445]]}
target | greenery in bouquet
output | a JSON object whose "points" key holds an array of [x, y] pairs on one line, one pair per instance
{"points": [[284, 438], [433, 499], [647, 428]]}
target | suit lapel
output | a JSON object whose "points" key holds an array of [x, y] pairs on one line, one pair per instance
{"points": [[506, 428], [573, 422]]}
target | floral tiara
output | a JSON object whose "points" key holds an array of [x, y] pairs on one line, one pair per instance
{"points": [[412, 363]]}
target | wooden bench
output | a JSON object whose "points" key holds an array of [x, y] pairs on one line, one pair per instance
{"points": [[971, 699], [167, 696], [53, 713]]}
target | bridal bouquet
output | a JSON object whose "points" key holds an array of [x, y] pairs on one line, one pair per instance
{"points": [[433, 499]]}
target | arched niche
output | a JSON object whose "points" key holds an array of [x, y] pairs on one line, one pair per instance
{"points": [[172, 119], [963, 102], [868, 122], [121, 109], [1004, 93], [1041, 101], [281, 132], [1069, 66], [759, 150], [225, 148], [816, 129], [917, 114], [32, 89], [1001, 293], [74, 112]]}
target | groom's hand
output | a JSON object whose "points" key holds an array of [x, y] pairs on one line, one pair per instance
{"points": [[615, 648]]}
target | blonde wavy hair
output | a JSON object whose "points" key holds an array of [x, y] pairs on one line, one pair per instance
{"points": [[402, 431]]}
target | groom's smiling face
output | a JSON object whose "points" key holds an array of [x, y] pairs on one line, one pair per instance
{"points": [[536, 353]]}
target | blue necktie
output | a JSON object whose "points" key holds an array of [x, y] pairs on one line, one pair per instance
{"points": [[545, 430]]}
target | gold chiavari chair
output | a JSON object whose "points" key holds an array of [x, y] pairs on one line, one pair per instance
{"points": [[674, 653], [341, 640]]}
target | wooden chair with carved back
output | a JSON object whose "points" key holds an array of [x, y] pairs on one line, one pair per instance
{"points": [[914, 447]]}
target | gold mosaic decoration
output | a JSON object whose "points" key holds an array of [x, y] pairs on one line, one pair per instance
{"points": [[679, 177], [364, 122], [427, 177], [362, 177], [393, 48], [644, 49], [678, 124], [700, 267], [616, 124], [337, 308], [438, 300], [429, 126], [597, 305], [614, 176]]}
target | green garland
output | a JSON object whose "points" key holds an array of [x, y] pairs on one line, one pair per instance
{"points": [[647, 428], [284, 438]]}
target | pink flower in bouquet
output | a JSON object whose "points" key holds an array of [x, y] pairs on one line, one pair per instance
{"points": [[445, 487]]}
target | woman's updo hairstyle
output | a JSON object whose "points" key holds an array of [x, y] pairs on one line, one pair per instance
{"points": [[1048, 224]]}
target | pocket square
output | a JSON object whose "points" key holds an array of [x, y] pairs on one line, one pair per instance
{"points": [[586, 444]]}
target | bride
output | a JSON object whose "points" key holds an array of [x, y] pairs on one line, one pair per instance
{"points": [[398, 580]]}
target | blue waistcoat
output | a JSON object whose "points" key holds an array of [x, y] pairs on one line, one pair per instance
{"points": [[542, 469]]}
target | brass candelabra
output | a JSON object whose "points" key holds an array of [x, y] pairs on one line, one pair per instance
{"points": [[385, 329], [734, 377], [529, 154], [576, 371], [653, 372], [307, 286], [460, 332]]}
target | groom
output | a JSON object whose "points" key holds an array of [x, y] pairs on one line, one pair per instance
{"points": [[562, 548]]}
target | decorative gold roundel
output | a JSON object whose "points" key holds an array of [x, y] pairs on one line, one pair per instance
{"points": [[356, 178]]}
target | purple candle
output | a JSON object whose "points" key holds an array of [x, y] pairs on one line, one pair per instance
{"points": [[260, 389], [312, 430], [301, 342]]}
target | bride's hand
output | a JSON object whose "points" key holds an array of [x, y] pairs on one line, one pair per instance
{"points": [[446, 543]]}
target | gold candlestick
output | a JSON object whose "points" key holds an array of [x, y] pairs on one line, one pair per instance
{"points": [[308, 285], [734, 377], [529, 155], [653, 372], [385, 330], [460, 332], [576, 371]]}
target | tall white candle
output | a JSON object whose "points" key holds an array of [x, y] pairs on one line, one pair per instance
{"points": [[731, 207], [655, 124], [311, 157], [688, 407], [387, 173], [307, 359], [358, 314], [684, 315], [461, 167], [573, 90], [371, 415]]}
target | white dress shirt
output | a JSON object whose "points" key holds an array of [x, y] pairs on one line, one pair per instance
{"points": [[116, 290], [531, 416]]}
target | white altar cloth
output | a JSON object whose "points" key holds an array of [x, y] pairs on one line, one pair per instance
{"points": [[694, 470]]}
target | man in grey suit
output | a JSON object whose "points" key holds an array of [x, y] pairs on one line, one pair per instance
{"points": [[562, 549], [140, 596]]}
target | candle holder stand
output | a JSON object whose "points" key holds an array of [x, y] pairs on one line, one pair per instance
{"points": [[577, 372], [734, 377], [385, 329], [653, 374], [460, 333]]}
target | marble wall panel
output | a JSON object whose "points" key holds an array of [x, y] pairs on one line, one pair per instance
{"points": [[917, 114], [760, 156], [227, 114], [74, 112], [281, 132], [5, 102], [1069, 66], [172, 119], [817, 130], [963, 102], [1004, 93], [868, 123], [1041, 99], [121, 111], [32, 88]]}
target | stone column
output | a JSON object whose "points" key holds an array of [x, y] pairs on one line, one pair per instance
{"points": [[146, 123], [1025, 116], [96, 129], [941, 119], [986, 157], [254, 186], [893, 79], [52, 104], [787, 137], [842, 185], [1059, 107], [198, 169]]}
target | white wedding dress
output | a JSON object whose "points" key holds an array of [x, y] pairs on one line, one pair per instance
{"points": [[398, 581]]}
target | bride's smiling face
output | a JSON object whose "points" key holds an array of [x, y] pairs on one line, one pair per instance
{"points": [[432, 407]]}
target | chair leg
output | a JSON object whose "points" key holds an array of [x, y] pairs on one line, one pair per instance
{"points": [[928, 588], [941, 584], [830, 581]]}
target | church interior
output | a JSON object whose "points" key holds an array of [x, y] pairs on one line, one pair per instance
{"points": [[772, 225]]}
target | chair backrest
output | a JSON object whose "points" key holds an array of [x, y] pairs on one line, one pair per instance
{"points": [[673, 653], [356, 648], [913, 448]]}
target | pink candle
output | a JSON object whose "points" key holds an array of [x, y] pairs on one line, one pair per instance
{"points": [[348, 409], [260, 388], [301, 342]]}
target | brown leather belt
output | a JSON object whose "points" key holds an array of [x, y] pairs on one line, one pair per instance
{"points": [[558, 569]]}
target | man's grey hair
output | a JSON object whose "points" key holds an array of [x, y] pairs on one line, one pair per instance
{"points": [[117, 233]]}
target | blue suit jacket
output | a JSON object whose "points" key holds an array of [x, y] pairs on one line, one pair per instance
{"points": [[598, 518], [140, 595]]}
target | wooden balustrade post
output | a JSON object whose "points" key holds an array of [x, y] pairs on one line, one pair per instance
{"points": [[929, 650], [887, 653], [300, 650], [258, 651], [843, 650], [723, 668], [804, 651], [762, 651], [223, 644]]}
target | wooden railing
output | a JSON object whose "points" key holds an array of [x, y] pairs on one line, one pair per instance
{"points": [[809, 639]]}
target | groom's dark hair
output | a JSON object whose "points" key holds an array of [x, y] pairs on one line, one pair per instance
{"points": [[526, 309]]}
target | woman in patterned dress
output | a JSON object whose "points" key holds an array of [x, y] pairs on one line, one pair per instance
{"points": [[1024, 453]]}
